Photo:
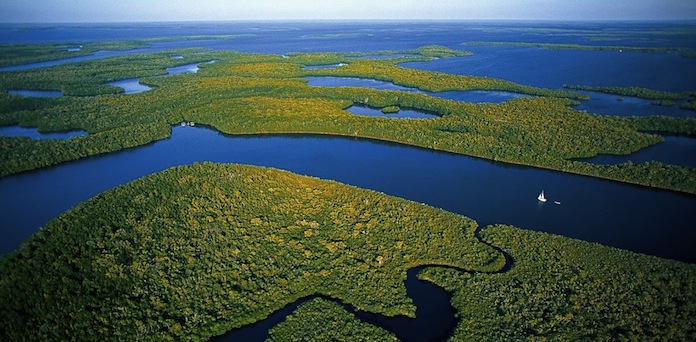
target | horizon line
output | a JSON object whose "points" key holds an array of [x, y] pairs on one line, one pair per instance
{"points": [[353, 20]]}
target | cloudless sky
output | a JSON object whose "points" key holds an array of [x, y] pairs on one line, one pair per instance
{"points": [[47, 11]]}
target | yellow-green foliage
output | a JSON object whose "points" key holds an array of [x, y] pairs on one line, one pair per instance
{"points": [[386, 70], [391, 109], [197, 250], [561, 289], [256, 93], [88, 78]]}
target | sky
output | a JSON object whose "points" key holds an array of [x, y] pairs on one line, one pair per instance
{"points": [[64, 11]]}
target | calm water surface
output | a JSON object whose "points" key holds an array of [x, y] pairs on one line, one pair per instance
{"points": [[36, 93], [133, 85], [465, 96], [630, 217], [635, 218], [674, 150]]}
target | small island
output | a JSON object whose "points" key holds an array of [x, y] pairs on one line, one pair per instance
{"points": [[244, 93]]}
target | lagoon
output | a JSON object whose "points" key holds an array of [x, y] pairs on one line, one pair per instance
{"points": [[130, 86], [464, 96], [676, 150], [608, 104], [133, 85]]}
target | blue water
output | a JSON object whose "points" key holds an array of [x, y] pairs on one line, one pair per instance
{"points": [[36, 93], [96, 55], [611, 213], [674, 150], [644, 220], [133, 85], [609, 104], [464, 96], [130, 86], [553, 68], [531, 66]]}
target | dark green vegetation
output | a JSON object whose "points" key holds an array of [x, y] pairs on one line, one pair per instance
{"points": [[322, 320], [256, 94], [562, 289], [663, 98], [666, 124], [195, 251], [198, 250], [682, 51]]}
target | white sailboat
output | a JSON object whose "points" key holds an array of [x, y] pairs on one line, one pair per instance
{"points": [[541, 197]]}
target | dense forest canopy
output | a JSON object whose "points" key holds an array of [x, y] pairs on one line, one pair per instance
{"points": [[243, 93], [195, 251]]}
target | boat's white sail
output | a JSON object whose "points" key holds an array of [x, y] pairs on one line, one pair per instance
{"points": [[541, 197]]}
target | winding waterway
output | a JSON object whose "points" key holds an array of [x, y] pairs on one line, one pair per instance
{"points": [[645, 220], [631, 217], [435, 317], [464, 96]]}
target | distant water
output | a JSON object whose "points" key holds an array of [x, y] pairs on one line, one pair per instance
{"points": [[644, 220], [36, 93], [532, 66]]}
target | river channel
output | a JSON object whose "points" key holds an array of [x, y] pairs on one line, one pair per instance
{"points": [[631, 217], [640, 219]]}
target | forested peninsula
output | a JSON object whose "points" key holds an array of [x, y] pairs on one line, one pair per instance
{"points": [[242, 93], [194, 251], [198, 250]]}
